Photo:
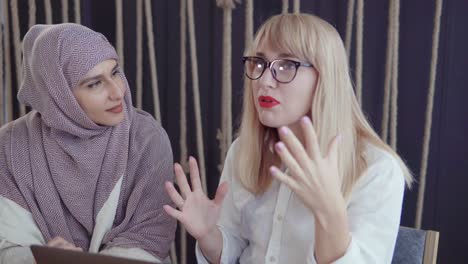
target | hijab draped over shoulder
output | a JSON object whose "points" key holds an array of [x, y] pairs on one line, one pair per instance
{"points": [[61, 167]]}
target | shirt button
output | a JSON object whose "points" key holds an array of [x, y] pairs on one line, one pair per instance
{"points": [[272, 259], [279, 217]]}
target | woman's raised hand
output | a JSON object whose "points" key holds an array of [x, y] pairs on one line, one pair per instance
{"points": [[197, 213], [313, 175]]}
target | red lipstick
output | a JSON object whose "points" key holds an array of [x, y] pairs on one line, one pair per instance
{"points": [[116, 109], [267, 101]]}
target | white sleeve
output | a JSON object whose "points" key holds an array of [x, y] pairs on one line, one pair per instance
{"points": [[15, 241], [374, 214], [230, 218], [14, 254], [132, 253]]}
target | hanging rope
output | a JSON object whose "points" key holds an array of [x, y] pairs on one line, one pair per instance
{"points": [[120, 32], [196, 93], [183, 84], [32, 13], [65, 11], [297, 6], [359, 54], [430, 104], [388, 70], [139, 54], [394, 93], [249, 12], [152, 58], [2, 86], [183, 111], [173, 253], [17, 45], [8, 90], [48, 11], [349, 26], [77, 12], [225, 133], [285, 6]]}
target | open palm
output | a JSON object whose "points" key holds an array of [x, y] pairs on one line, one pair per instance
{"points": [[197, 213]]}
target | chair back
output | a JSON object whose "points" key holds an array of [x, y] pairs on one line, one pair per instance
{"points": [[416, 246]]}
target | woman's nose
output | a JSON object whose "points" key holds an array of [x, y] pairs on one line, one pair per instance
{"points": [[267, 79], [116, 90]]}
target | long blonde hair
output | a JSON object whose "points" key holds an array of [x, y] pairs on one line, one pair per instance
{"points": [[334, 108]]}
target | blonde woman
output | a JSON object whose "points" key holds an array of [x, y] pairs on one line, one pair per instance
{"points": [[309, 179]]}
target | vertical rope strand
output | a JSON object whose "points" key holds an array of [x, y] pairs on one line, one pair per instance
{"points": [[48, 11], [8, 90], [139, 54], [430, 104], [120, 31], [183, 108], [225, 133], [32, 13], [17, 45], [359, 54], [183, 85], [349, 26], [77, 12], [65, 11], [249, 12], [297, 6], [196, 93], [388, 71], [285, 6], [2, 84], [394, 93], [173, 253], [152, 59]]}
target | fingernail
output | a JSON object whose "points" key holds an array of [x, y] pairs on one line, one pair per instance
{"points": [[305, 120], [284, 131], [273, 170], [279, 146]]}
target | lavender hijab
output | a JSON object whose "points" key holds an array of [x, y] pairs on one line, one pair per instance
{"points": [[59, 165]]}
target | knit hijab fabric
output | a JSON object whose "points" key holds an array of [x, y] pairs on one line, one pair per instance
{"points": [[63, 164]]}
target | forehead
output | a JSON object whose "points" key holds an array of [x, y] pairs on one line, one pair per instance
{"points": [[267, 50], [101, 68]]}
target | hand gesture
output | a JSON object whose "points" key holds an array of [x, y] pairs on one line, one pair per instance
{"points": [[197, 213], [313, 176]]}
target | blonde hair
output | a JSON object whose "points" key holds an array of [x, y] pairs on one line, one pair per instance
{"points": [[334, 108]]}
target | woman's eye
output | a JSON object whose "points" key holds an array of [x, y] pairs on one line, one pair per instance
{"points": [[94, 84], [286, 66]]}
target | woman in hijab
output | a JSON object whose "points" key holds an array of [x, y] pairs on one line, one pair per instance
{"points": [[84, 170]]}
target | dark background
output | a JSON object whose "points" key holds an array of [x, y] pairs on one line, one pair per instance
{"points": [[446, 198]]}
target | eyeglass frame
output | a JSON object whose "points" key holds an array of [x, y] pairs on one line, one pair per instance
{"points": [[269, 64]]}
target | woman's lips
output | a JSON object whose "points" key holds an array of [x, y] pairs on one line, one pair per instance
{"points": [[116, 109], [267, 101]]}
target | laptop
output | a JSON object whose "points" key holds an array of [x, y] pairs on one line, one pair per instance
{"points": [[49, 255]]}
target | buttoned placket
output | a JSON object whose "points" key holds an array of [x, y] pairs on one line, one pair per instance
{"points": [[274, 245]]}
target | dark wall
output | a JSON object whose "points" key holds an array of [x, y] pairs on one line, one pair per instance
{"points": [[446, 209]]}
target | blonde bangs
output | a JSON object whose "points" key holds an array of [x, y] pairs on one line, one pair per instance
{"points": [[277, 33]]}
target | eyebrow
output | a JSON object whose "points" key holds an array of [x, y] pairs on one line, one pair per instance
{"points": [[281, 55], [96, 77]]}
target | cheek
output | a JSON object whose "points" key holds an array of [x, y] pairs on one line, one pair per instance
{"points": [[90, 103]]}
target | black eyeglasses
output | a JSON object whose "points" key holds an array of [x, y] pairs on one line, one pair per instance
{"points": [[282, 70]]}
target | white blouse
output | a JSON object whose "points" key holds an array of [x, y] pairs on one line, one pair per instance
{"points": [[15, 242], [276, 227]]}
